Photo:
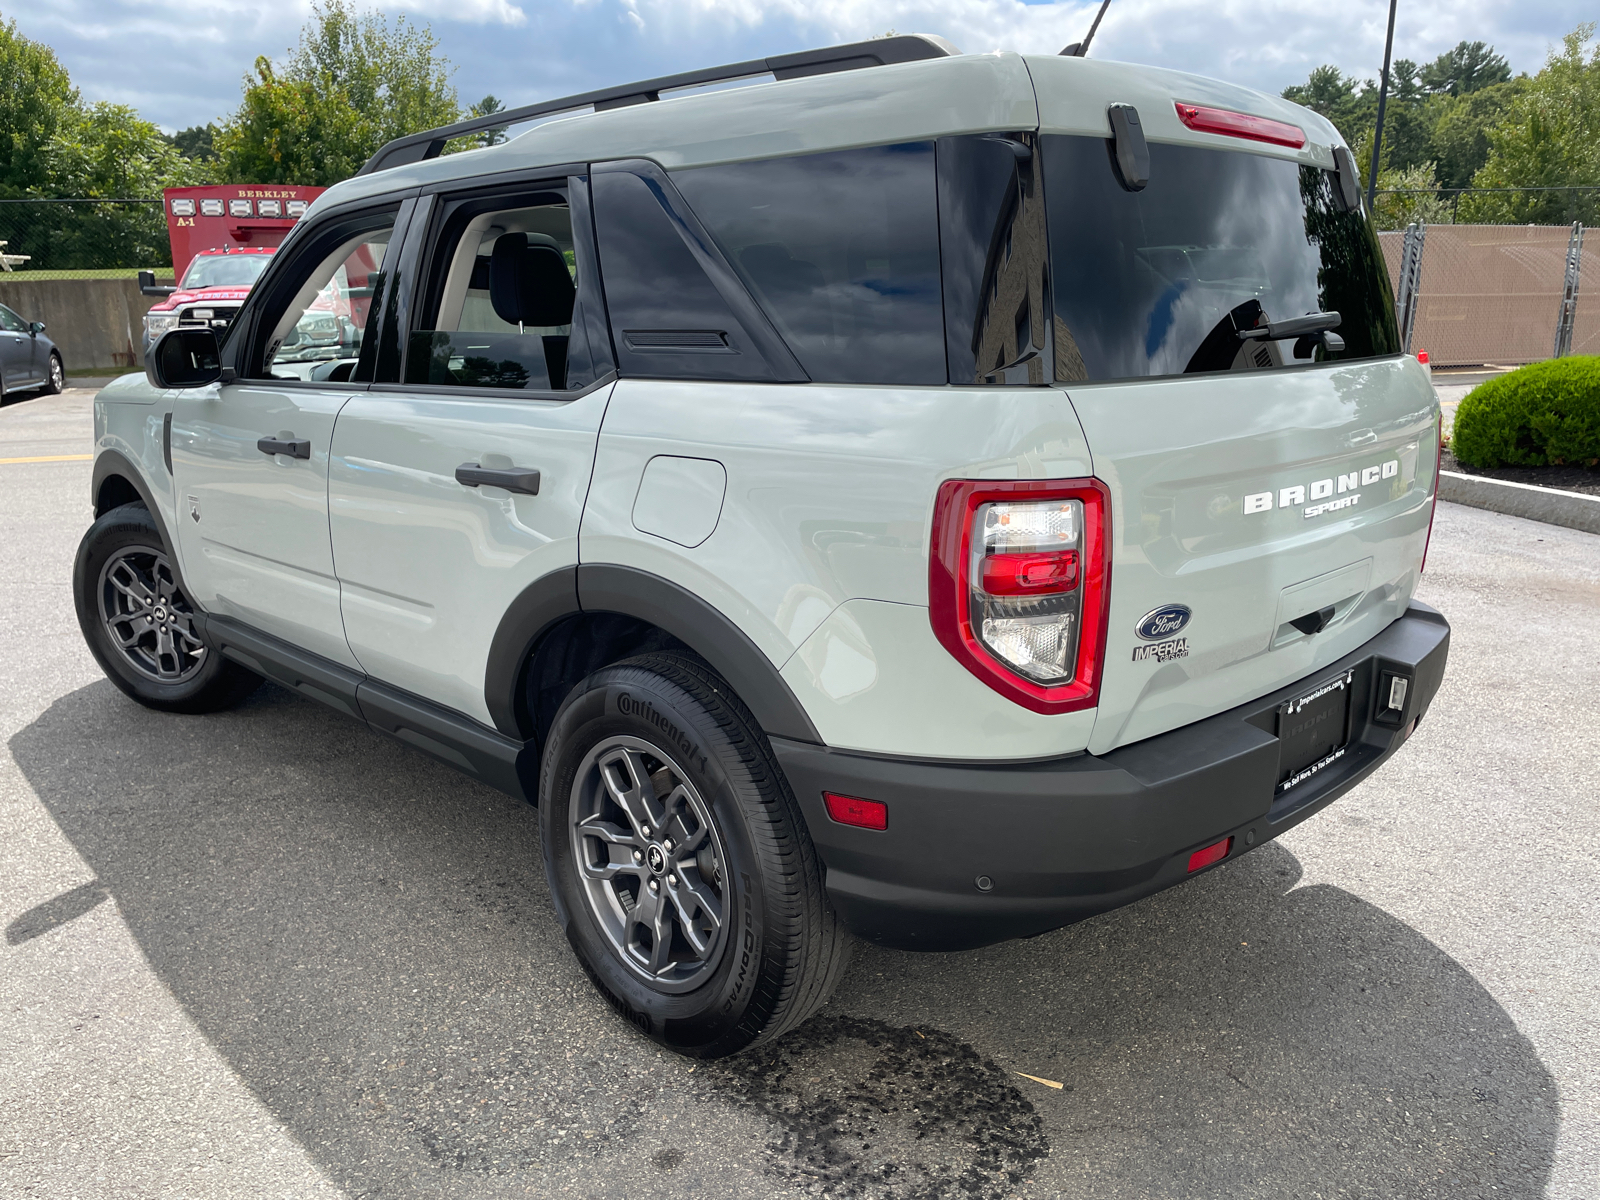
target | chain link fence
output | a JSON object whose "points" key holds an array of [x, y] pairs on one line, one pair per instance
{"points": [[1500, 295], [63, 239]]}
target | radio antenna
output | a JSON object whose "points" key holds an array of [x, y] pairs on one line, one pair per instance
{"points": [[1080, 49]]}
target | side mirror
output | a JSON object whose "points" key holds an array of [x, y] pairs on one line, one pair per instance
{"points": [[36, 327], [148, 287], [183, 358]]}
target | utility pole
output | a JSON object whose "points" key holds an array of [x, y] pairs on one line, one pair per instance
{"points": [[1383, 97]]}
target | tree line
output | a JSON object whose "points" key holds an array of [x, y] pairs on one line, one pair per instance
{"points": [[1463, 121], [353, 82]]}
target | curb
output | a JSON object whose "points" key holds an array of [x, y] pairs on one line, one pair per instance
{"points": [[1572, 509]]}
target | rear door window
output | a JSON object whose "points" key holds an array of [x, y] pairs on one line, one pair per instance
{"points": [[499, 303], [1161, 281], [842, 251]]}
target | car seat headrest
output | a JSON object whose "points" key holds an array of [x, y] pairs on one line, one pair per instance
{"points": [[529, 283]]}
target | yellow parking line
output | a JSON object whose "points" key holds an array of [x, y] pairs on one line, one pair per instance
{"points": [[48, 458]]}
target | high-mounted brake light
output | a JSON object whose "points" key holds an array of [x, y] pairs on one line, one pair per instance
{"points": [[1240, 125], [1018, 582]]}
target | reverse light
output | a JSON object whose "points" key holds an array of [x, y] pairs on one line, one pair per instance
{"points": [[1018, 583], [852, 810], [1240, 125], [1215, 852]]}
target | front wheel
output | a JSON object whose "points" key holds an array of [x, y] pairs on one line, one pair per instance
{"points": [[55, 377], [139, 624], [679, 863]]}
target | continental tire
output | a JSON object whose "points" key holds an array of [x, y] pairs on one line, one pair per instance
{"points": [[679, 863], [139, 624]]}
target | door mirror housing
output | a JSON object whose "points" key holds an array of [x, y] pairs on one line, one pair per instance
{"points": [[149, 287], [183, 358], [36, 327]]}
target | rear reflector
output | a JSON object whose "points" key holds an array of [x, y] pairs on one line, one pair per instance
{"points": [[1213, 853], [1240, 125], [864, 814]]}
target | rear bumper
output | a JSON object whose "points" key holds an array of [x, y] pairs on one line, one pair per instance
{"points": [[1065, 839]]}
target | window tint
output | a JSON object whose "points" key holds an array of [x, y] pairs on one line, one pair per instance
{"points": [[842, 250], [500, 301], [668, 318], [992, 236], [319, 333], [10, 322], [1161, 281]]}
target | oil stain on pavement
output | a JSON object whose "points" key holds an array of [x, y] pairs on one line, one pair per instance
{"points": [[848, 1097]]}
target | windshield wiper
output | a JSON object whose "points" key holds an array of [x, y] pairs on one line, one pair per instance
{"points": [[1292, 328]]}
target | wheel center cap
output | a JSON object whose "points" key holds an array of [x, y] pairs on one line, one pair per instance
{"points": [[657, 858], [160, 613]]}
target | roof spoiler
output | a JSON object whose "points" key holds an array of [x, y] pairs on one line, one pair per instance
{"points": [[913, 47]]}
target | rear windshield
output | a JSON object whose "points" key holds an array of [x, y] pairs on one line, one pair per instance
{"points": [[225, 270], [1160, 281]]}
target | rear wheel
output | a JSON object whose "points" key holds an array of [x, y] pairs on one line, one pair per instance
{"points": [[139, 624], [679, 863]]}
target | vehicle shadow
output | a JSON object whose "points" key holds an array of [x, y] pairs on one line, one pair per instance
{"points": [[366, 938]]}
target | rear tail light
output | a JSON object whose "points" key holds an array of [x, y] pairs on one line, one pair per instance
{"points": [[1018, 579], [1438, 466], [1240, 125]]}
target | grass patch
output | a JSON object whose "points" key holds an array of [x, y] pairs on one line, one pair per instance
{"points": [[163, 274]]}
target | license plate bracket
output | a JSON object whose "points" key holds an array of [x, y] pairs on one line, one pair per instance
{"points": [[1313, 730]]}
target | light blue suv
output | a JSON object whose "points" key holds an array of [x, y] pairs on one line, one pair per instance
{"points": [[928, 496]]}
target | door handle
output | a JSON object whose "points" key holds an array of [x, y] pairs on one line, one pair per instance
{"points": [[513, 479], [292, 446]]}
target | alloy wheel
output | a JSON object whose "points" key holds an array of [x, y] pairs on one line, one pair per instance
{"points": [[149, 619], [58, 377], [651, 862]]}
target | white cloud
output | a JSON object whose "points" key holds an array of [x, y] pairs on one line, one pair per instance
{"points": [[181, 63]]}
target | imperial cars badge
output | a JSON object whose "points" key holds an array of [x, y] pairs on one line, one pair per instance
{"points": [[1162, 622]]}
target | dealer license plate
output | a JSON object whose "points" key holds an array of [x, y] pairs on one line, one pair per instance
{"points": [[1313, 730]]}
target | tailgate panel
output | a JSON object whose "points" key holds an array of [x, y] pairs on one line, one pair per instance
{"points": [[1255, 499]]}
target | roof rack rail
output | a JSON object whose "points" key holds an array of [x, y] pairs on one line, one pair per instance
{"points": [[913, 47]]}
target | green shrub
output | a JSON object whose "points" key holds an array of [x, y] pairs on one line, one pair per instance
{"points": [[1546, 414]]}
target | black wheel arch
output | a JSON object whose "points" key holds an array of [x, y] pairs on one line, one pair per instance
{"points": [[116, 482], [576, 620]]}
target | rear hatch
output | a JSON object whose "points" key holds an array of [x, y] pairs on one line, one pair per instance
{"points": [[1271, 493]]}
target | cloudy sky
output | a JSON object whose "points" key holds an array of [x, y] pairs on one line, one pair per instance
{"points": [[180, 61]]}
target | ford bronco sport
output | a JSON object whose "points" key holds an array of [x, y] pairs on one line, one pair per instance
{"points": [[927, 496]]}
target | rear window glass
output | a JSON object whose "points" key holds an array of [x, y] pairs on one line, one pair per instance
{"points": [[842, 251], [1159, 281]]}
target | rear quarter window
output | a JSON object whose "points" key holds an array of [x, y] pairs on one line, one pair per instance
{"points": [[842, 252], [1142, 279]]}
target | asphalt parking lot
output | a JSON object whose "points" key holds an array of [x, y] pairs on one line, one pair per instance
{"points": [[267, 953]]}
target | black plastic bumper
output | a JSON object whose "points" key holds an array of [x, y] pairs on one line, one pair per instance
{"points": [[1067, 838]]}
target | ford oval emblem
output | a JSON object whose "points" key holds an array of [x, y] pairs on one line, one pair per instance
{"points": [[1163, 622]]}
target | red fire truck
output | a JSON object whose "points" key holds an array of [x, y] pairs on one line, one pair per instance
{"points": [[222, 239]]}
